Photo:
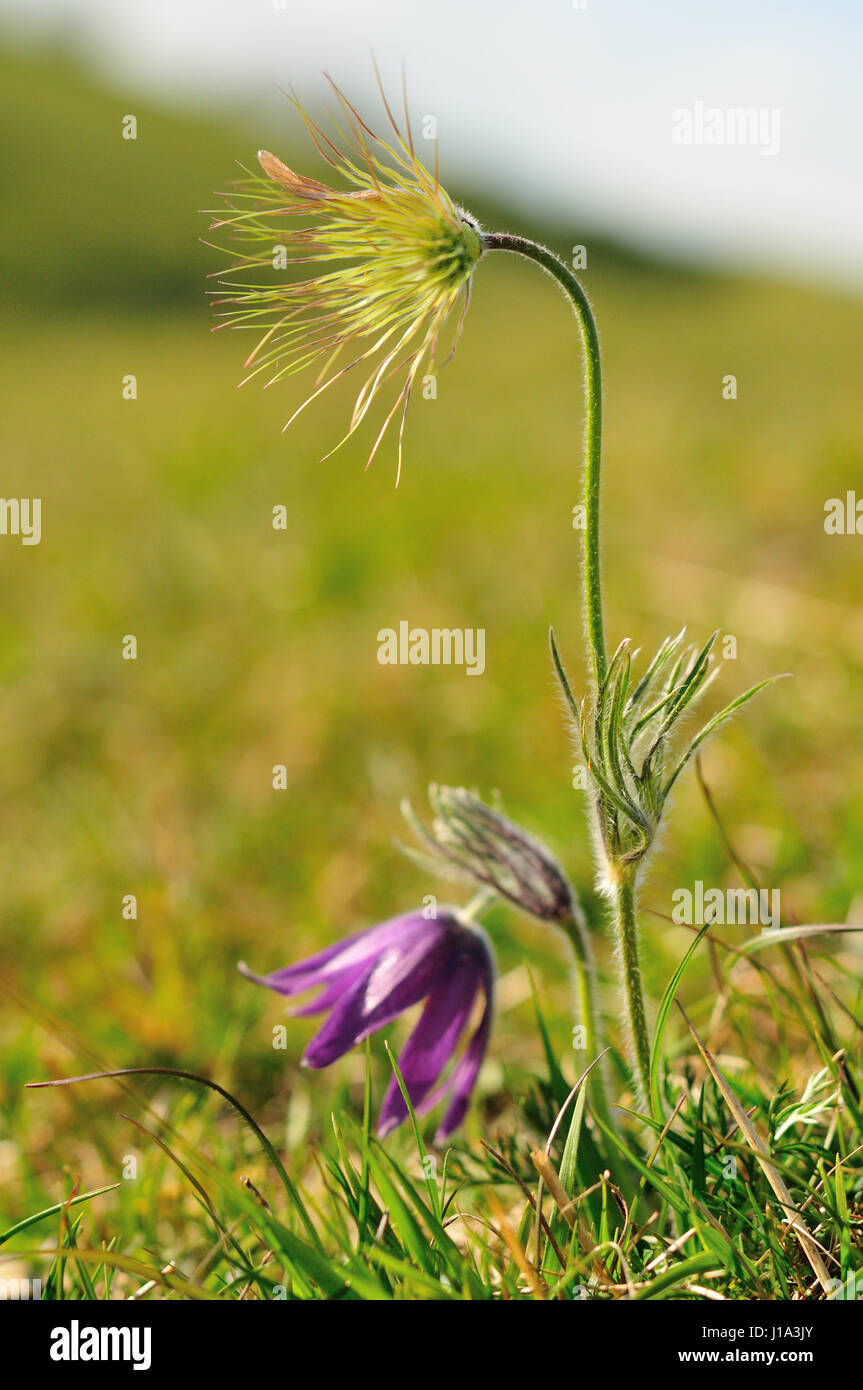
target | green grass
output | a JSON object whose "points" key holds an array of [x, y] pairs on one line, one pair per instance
{"points": [[258, 647]]}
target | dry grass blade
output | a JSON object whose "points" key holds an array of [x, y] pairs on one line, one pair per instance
{"points": [[547, 1171], [544, 1226], [807, 1241], [513, 1245], [565, 1204]]}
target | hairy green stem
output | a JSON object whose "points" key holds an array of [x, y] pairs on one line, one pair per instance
{"points": [[624, 875], [626, 924], [585, 980], [503, 241]]}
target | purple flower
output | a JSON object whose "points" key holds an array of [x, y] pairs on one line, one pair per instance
{"points": [[368, 979]]}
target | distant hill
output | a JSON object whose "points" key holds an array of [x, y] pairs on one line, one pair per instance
{"points": [[80, 205]]}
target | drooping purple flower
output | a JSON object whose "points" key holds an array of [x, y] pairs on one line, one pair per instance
{"points": [[368, 979]]}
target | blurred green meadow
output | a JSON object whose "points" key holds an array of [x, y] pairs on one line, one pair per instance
{"points": [[258, 647]]}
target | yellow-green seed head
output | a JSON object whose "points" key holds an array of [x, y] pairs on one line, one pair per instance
{"points": [[393, 258]]}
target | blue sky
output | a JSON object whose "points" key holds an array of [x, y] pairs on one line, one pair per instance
{"points": [[570, 106]]}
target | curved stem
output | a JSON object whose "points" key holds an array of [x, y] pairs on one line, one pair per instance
{"points": [[626, 923], [522, 246], [478, 904], [625, 874]]}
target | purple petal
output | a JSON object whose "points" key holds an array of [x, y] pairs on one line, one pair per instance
{"points": [[403, 974], [369, 978], [464, 1077], [432, 1043], [343, 959], [334, 992]]}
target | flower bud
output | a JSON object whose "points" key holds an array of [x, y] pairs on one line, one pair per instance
{"points": [[469, 840]]}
